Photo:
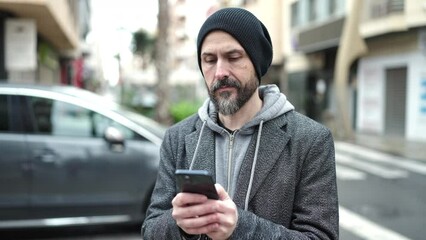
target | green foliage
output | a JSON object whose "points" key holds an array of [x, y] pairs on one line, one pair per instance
{"points": [[183, 109], [128, 94], [142, 43], [146, 111]]}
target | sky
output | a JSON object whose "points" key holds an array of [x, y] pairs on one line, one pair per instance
{"points": [[112, 25], [114, 21], [128, 14]]}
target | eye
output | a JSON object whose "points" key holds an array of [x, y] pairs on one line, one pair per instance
{"points": [[209, 59], [234, 57]]}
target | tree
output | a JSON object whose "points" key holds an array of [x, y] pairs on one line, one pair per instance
{"points": [[351, 46], [143, 45], [162, 64]]}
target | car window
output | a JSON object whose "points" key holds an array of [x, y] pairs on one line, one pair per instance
{"points": [[42, 110], [60, 118], [10, 120], [4, 116]]}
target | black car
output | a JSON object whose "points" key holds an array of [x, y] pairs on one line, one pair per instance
{"points": [[71, 157]]}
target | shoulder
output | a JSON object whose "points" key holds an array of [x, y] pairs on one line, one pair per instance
{"points": [[301, 126], [297, 119], [185, 126]]}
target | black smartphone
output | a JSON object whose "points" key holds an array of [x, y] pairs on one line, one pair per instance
{"points": [[196, 181]]}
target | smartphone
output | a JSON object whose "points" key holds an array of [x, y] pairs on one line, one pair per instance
{"points": [[196, 181]]}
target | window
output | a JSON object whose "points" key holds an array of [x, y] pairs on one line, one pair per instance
{"points": [[59, 118], [312, 10], [71, 120], [295, 14], [332, 7], [101, 123], [384, 8], [42, 110], [4, 116]]}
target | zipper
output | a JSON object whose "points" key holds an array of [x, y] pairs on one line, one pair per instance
{"points": [[230, 150]]}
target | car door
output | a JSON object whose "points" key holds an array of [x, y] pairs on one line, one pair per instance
{"points": [[14, 162], [76, 172]]}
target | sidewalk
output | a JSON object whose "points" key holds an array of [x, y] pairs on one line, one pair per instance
{"points": [[393, 145]]}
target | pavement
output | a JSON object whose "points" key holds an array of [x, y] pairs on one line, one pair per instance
{"points": [[394, 145]]}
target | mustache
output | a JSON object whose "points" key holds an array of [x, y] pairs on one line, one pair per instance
{"points": [[226, 82]]}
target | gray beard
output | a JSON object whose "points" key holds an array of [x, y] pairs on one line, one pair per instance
{"points": [[227, 106]]}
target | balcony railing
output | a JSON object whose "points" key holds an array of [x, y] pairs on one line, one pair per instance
{"points": [[383, 8]]}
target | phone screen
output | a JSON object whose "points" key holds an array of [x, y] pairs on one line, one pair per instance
{"points": [[196, 181]]}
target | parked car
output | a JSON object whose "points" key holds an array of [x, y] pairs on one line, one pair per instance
{"points": [[70, 157]]}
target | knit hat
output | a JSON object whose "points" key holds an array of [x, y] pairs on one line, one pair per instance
{"points": [[247, 30]]}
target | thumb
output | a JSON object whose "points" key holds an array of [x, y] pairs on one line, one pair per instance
{"points": [[223, 195]]}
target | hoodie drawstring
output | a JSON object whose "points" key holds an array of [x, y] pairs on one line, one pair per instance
{"points": [[253, 167], [196, 147]]}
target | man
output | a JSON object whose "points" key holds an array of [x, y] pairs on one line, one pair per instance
{"points": [[274, 167]]}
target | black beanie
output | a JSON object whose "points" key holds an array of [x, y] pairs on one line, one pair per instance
{"points": [[247, 30]]}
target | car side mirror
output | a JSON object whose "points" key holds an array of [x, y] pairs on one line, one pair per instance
{"points": [[115, 139]]}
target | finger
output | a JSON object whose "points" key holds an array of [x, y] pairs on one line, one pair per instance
{"points": [[223, 195], [223, 230], [202, 224], [191, 209], [201, 209], [185, 199], [202, 230]]}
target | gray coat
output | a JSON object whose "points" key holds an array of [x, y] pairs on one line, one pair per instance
{"points": [[294, 192]]}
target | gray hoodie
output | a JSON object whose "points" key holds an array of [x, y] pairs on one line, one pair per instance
{"points": [[231, 148]]}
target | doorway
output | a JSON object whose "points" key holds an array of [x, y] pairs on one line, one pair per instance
{"points": [[395, 92]]}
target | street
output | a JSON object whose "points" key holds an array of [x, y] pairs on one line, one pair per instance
{"points": [[380, 196]]}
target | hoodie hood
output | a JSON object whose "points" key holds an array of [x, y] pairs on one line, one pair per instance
{"points": [[274, 104]]}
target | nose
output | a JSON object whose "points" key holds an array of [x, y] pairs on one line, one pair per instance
{"points": [[222, 69]]}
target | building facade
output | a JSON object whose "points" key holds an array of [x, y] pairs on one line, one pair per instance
{"points": [[41, 39], [385, 86], [314, 32], [392, 76]]}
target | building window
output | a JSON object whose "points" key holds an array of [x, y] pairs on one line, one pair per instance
{"points": [[295, 14], [332, 7], [312, 10], [395, 6], [386, 7]]}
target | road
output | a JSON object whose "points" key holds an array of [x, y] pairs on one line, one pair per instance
{"points": [[380, 196]]}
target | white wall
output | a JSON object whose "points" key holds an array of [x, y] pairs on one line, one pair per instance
{"points": [[371, 93], [416, 121]]}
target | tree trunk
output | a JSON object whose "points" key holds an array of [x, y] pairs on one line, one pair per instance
{"points": [[162, 64], [351, 46]]}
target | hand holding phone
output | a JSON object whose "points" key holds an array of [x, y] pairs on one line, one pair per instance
{"points": [[196, 181]]}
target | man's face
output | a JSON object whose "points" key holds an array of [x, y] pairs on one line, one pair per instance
{"points": [[229, 74]]}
